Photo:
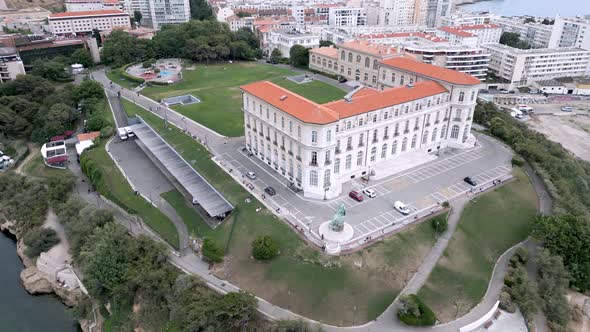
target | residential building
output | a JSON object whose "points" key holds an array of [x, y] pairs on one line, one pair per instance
{"points": [[223, 13], [437, 11], [570, 32], [522, 67], [359, 60], [462, 18], [347, 16], [73, 23], [457, 36], [324, 59], [319, 147], [485, 33], [91, 5], [10, 64], [283, 40], [159, 12], [398, 12], [535, 34], [469, 60]]}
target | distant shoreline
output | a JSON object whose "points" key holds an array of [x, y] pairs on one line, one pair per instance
{"points": [[459, 3]]}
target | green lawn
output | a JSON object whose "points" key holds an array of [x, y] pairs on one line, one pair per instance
{"points": [[37, 168], [115, 187], [217, 86], [115, 76], [489, 225], [298, 279]]}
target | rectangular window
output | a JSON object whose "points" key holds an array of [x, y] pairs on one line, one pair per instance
{"points": [[314, 136]]}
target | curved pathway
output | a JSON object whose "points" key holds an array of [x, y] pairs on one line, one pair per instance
{"points": [[386, 321]]}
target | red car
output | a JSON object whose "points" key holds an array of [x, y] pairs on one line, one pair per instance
{"points": [[356, 196]]}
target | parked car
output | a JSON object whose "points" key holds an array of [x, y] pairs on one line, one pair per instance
{"points": [[270, 191], [342, 79], [370, 193], [122, 133], [129, 132], [251, 175], [470, 180], [401, 208], [356, 196], [567, 108]]}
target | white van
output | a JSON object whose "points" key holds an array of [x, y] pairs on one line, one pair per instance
{"points": [[401, 208], [122, 133], [525, 109], [516, 113], [129, 132]]}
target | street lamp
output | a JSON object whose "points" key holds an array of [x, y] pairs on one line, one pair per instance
{"points": [[326, 188], [185, 126]]}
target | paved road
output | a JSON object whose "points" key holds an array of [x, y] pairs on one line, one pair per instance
{"points": [[385, 322]]}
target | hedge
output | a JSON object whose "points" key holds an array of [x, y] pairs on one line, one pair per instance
{"points": [[426, 317], [130, 77]]}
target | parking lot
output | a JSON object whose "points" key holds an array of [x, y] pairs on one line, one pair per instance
{"points": [[422, 188]]}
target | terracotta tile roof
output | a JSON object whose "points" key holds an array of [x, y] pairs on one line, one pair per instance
{"points": [[291, 103], [418, 34], [367, 101], [88, 13], [369, 48], [331, 52], [264, 28], [456, 31], [365, 91], [88, 136], [431, 71], [328, 5]]}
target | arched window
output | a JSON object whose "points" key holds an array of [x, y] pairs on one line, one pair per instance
{"points": [[291, 167], [465, 133], [313, 59], [313, 178], [359, 158], [367, 62], [358, 58], [401, 80], [330, 64], [323, 62], [375, 65], [366, 76], [394, 147], [425, 137], [404, 144], [461, 96], [434, 132], [414, 139], [392, 77], [373, 154], [443, 131], [327, 181], [342, 55], [374, 79], [455, 131], [336, 165], [348, 162], [349, 57], [383, 151], [357, 75]]}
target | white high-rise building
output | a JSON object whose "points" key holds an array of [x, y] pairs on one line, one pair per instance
{"points": [[346, 16], [570, 32], [401, 12], [437, 10], [159, 12]]}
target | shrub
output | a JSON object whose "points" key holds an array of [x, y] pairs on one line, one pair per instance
{"points": [[59, 188], [264, 248], [412, 311], [39, 240], [522, 254], [446, 204], [106, 132], [212, 251], [146, 64], [439, 224], [96, 122], [157, 70], [509, 281], [506, 302], [517, 161]]}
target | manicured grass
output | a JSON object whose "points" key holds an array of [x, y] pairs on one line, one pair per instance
{"points": [[36, 167], [115, 187], [217, 86], [489, 225], [301, 279], [115, 76]]}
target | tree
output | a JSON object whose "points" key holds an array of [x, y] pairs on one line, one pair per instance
{"points": [[548, 21], [529, 20], [200, 10], [299, 56], [212, 251], [59, 188], [569, 237], [50, 69], [120, 49], [326, 43], [264, 248], [513, 39], [553, 283], [82, 57], [412, 311], [439, 224], [276, 54], [87, 90], [137, 16], [39, 240]]}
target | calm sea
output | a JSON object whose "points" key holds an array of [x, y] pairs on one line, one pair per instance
{"points": [[541, 8], [21, 312]]}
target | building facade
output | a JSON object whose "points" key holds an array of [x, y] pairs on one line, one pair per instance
{"points": [[159, 12], [535, 34], [359, 60], [319, 147], [10, 64], [346, 16], [283, 40], [324, 59], [570, 32], [90, 5], [70, 23], [522, 67], [469, 60]]}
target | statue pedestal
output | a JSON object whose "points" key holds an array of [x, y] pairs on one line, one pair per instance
{"points": [[331, 236]]}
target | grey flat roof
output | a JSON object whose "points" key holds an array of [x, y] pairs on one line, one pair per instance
{"points": [[200, 190]]}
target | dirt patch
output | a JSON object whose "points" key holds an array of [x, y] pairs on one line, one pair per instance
{"points": [[571, 131]]}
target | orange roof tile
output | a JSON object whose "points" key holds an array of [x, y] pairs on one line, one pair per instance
{"points": [[368, 102], [369, 47], [418, 34], [431, 71], [88, 136], [331, 52], [456, 31], [365, 91], [291, 103], [89, 13]]}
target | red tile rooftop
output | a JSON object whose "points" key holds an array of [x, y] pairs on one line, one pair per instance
{"points": [[456, 31], [331, 52], [369, 47], [418, 34], [431, 71]]}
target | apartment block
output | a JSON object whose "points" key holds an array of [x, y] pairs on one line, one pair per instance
{"points": [[70, 23]]}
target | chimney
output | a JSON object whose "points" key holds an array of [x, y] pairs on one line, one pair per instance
{"points": [[283, 97]]}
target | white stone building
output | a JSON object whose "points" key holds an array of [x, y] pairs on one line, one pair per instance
{"points": [[570, 32], [462, 18], [457, 36], [535, 34], [437, 11], [319, 147], [522, 67], [159, 12], [347, 16], [283, 40], [89, 5], [69, 23]]}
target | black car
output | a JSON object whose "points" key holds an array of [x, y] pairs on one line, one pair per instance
{"points": [[270, 191], [342, 79], [470, 181]]}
